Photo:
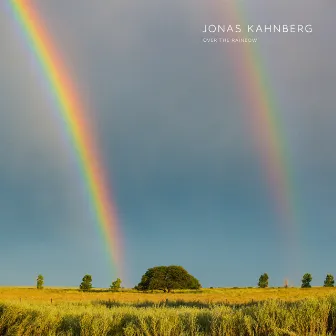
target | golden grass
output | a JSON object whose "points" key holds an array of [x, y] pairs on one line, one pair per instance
{"points": [[29, 312], [311, 317], [225, 295]]}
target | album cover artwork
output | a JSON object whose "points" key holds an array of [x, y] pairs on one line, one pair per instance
{"points": [[167, 167]]}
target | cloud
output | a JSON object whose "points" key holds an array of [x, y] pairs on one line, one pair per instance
{"points": [[169, 117], [31, 133], [159, 97]]}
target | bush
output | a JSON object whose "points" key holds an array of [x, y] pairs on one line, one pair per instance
{"points": [[116, 285], [39, 281], [329, 281], [86, 284], [306, 280], [263, 281]]}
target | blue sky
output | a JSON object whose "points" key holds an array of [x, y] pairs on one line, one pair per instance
{"points": [[187, 177]]}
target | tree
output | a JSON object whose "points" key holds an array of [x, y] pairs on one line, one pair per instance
{"points": [[263, 281], [86, 284], [167, 278], [329, 281], [116, 285], [306, 279], [39, 281]]}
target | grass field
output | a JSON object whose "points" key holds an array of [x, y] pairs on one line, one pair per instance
{"points": [[244, 311], [216, 295]]}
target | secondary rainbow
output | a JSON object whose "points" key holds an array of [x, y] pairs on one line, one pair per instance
{"points": [[76, 123], [264, 116]]}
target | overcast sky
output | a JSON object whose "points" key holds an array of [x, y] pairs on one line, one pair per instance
{"points": [[187, 177]]}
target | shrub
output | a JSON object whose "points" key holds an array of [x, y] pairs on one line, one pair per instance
{"points": [[263, 281], [86, 284], [306, 279], [39, 281], [329, 281], [115, 286]]}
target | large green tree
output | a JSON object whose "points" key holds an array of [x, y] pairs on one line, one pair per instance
{"points": [[167, 278], [86, 284], [306, 279], [39, 281], [329, 281], [263, 281]]}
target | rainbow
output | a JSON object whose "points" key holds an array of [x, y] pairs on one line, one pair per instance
{"points": [[264, 116], [75, 121]]}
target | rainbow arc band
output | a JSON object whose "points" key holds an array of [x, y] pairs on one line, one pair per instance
{"points": [[263, 116], [75, 121]]}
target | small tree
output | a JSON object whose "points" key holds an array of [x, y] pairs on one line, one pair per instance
{"points": [[39, 281], [116, 285], [86, 284], [263, 281], [306, 279], [329, 281]]}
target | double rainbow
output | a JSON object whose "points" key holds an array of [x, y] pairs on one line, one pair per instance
{"points": [[76, 124], [255, 92]]}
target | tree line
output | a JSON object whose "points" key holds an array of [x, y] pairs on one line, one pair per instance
{"points": [[85, 285], [165, 278], [305, 281], [168, 278]]}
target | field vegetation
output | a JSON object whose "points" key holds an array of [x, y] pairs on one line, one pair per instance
{"points": [[204, 295], [218, 311]]}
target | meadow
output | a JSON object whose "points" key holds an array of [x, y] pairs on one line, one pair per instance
{"points": [[235, 311]]}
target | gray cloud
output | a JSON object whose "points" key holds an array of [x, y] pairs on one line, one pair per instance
{"points": [[166, 110]]}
